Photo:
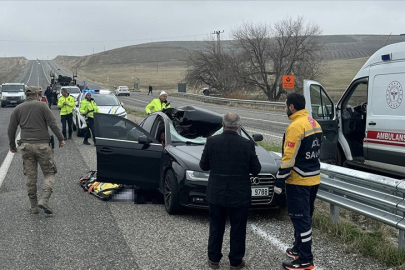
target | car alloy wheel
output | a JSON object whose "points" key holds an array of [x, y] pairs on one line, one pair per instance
{"points": [[171, 193]]}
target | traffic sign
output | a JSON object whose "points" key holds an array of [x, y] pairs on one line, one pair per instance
{"points": [[288, 81]]}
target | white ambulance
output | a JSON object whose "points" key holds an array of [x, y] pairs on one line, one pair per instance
{"points": [[366, 128]]}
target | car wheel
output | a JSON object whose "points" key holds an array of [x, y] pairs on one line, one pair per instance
{"points": [[3, 105], [171, 193], [79, 131], [206, 93]]}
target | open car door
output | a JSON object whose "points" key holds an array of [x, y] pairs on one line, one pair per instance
{"points": [[321, 107], [126, 153]]}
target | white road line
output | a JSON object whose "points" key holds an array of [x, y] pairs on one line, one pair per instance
{"points": [[4, 167], [271, 135], [273, 240], [275, 122], [45, 74], [6, 164], [32, 68]]}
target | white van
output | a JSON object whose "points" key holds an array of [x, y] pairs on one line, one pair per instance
{"points": [[12, 93], [366, 128]]}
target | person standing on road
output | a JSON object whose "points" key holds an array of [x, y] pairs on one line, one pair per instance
{"points": [[299, 175], [158, 104], [150, 90], [231, 158], [66, 104], [88, 107], [34, 117], [48, 94]]}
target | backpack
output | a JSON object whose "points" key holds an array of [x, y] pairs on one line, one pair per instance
{"points": [[101, 190]]}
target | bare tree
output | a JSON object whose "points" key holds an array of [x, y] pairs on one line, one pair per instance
{"points": [[214, 68], [289, 48]]}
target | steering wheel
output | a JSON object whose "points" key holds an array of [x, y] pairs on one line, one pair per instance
{"points": [[364, 107]]}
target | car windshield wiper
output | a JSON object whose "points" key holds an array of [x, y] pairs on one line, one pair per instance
{"points": [[188, 142]]}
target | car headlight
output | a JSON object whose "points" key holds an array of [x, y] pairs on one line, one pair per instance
{"points": [[123, 114], [197, 176]]}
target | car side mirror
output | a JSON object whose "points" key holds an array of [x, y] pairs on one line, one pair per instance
{"points": [[257, 137], [122, 104], [144, 140]]}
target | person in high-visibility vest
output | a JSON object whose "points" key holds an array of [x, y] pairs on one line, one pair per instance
{"points": [[66, 104], [88, 107], [158, 104]]}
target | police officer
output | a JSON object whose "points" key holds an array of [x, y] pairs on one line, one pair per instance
{"points": [[299, 174], [158, 104], [34, 117], [66, 104], [88, 107]]}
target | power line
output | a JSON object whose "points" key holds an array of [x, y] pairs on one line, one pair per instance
{"points": [[98, 41]]}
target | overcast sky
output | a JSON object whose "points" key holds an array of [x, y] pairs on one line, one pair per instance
{"points": [[44, 29]]}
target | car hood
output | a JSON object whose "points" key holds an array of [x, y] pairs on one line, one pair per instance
{"points": [[191, 155], [111, 109]]}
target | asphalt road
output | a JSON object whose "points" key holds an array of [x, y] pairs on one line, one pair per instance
{"points": [[86, 233]]}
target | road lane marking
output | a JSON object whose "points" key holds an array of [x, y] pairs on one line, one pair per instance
{"points": [[271, 135], [32, 68], [273, 240], [6, 164], [45, 75]]}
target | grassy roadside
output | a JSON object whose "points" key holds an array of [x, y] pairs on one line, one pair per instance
{"points": [[373, 240]]}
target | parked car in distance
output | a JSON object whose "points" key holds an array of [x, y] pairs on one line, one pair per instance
{"points": [[207, 91], [12, 94], [106, 102], [137, 153], [122, 90]]}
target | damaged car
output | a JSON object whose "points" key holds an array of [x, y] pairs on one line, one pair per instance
{"points": [[163, 152]]}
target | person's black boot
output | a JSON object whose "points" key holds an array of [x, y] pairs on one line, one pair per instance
{"points": [[86, 142]]}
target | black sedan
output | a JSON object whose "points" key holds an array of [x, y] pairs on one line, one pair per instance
{"points": [[164, 152]]}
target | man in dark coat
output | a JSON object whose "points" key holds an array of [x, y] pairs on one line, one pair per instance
{"points": [[231, 158], [48, 94]]}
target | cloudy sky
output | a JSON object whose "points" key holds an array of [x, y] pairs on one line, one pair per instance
{"points": [[44, 29]]}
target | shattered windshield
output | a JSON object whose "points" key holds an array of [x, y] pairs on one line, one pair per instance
{"points": [[177, 138]]}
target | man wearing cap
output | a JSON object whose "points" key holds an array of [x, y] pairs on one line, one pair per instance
{"points": [[88, 107], [158, 104], [66, 104], [230, 158], [34, 117]]}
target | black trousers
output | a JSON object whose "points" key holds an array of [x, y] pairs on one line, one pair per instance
{"points": [[300, 203], [49, 101], [90, 127], [238, 219], [67, 119]]}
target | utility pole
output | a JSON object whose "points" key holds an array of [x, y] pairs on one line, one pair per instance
{"points": [[218, 33]]}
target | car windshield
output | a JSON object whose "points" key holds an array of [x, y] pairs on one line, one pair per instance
{"points": [[73, 90], [177, 138], [105, 100], [12, 88]]}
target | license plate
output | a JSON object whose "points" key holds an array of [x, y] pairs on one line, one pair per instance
{"points": [[13, 101], [260, 191]]}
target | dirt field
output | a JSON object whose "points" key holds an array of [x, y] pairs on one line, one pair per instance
{"points": [[11, 68]]}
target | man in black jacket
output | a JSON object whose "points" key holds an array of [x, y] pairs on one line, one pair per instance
{"points": [[48, 94], [231, 158]]}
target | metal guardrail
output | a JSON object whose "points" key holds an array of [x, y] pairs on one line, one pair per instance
{"points": [[231, 101], [374, 196], [378, 197]]}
